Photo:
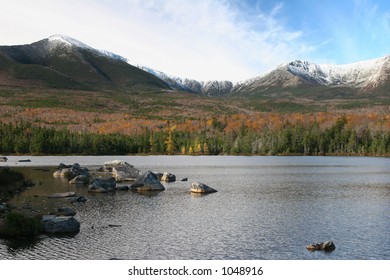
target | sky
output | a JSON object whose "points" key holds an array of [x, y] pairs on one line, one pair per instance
{"points": [[209, 39]]}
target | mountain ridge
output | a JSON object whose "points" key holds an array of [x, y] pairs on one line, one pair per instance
{"points": [[61, 61]]}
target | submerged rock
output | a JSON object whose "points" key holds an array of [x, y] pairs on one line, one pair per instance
{"points": [[66, 211], [147, 182], [62, 195], [60, 224], [197, 187], [78, 198], [100, 185], [80, 180]]}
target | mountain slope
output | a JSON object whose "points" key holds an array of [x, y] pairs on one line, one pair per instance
{"points": [[208, 88], [63, 62], [363, 76]]}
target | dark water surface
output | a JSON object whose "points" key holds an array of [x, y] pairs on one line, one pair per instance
{"points": [[265, 208]]}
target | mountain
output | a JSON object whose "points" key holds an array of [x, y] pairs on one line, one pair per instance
{"points": [[208, 88], [362, 76], [63, 62]]}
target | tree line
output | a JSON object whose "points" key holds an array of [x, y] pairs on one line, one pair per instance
{"points": [[213, 139]]}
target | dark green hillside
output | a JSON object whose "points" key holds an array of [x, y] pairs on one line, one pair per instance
{"points": [[71, 67]]}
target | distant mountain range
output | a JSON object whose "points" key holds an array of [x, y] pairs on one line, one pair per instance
{"points": [[63, 62]]}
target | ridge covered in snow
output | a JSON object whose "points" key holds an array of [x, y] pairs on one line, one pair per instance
{"points": [[354, 74], [59, 39], [294, 73]]}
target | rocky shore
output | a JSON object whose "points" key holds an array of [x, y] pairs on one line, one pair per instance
{"points": [[109, 178]]}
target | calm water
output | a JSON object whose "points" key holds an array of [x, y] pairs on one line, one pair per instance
{"points": [[265, 208]]}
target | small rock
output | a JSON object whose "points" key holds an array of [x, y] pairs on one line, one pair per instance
{"points": [[78, 198], [62, 195], [197, 187], [111, 225], [66, 211], [168, 177], [184, 179], [327, 246]]}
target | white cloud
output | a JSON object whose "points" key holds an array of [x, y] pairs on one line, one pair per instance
{"points": [[204, 39]]}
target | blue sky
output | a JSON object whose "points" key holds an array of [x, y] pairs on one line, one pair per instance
{"points": [[209, 39]]}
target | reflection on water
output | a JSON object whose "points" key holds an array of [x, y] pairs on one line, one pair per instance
{"points": [[265, 208]]}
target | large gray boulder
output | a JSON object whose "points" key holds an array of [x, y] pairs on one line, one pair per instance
{"points": [[197, 187], [147, 182], [100, 185], [121, 170], [60, 224]]}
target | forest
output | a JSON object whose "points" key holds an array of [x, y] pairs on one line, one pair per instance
{"points": [[265, 134]]}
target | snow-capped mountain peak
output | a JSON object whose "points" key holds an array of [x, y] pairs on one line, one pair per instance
{"points": [[354, 74], [68, 41], [60, 39]]}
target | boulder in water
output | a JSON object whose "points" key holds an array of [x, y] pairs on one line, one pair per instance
{"points": [[197, 187], [60, 224], [147, 182], [327, 246], [121, 170], [168, 177]]}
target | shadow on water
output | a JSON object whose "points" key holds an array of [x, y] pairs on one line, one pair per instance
{"points": [[15, 244]]}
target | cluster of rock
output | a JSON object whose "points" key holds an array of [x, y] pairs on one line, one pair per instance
{"points": [[105, 181]]}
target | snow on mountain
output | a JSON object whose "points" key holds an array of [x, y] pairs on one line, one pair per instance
{"points": [[203, 87], [356, 74], [62, 40], [363, 74], [59, 39]]}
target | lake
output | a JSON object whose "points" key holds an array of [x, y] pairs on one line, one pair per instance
{"points": [[265, 208]]}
